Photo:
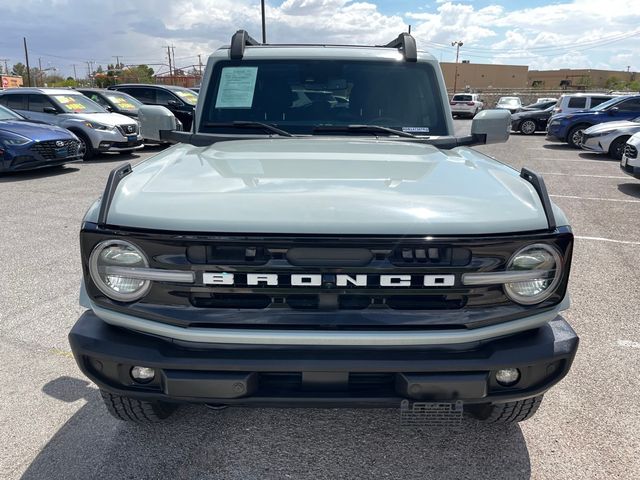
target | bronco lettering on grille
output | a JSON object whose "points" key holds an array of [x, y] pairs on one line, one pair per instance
{"points": [[316, 280]]}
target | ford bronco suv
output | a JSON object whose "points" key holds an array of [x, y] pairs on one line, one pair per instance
{"points": [[322, 238]]}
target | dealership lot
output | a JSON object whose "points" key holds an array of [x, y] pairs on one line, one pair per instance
{"points": [[54, 425]]}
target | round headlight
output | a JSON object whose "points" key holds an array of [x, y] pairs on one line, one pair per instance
{"points": [[538, 257], [105, 259]]}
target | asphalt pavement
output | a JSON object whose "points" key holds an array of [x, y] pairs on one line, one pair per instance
{"points": [[53, 424]]}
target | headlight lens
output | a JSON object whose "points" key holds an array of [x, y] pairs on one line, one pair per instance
{"points": [[543, 258], [98, 126], [14, 139], [118, 253]]}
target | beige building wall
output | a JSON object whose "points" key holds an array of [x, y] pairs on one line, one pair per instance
{"points": [[579, 78], [482, 76]]}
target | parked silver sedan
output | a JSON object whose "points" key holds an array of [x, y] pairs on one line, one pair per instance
{"points": [[609, 137]]}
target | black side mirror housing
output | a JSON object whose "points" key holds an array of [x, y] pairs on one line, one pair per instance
{"points": [[174, 103], [613, 110], [50, 110]]}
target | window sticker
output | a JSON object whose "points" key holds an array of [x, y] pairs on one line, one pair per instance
{"points": [[121, 102], [415, 129], [189, 97], [237, 86], [69, 104]]}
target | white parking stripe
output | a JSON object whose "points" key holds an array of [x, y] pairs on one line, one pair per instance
{"points": [[602, 239], [562, 160], [584, 175], [596, 198], [628, 343]]}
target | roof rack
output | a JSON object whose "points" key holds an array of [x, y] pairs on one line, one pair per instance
{"points": [[407, 45], [240, 40]]}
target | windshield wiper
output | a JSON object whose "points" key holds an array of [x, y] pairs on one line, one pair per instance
{"points": [[247, 124], [363, 128]]}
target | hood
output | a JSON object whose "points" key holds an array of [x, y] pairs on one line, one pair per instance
{"points": [[325, 186], [611, 126], [35, 131], [107, 118]]}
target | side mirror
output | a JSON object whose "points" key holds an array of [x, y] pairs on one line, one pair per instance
{"points": [[50, 110], [494, 125], [154, 119], [613, 110], [174, 103], [109, 109]]}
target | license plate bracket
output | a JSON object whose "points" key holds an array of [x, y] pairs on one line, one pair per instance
{"points": [[430, 414]]}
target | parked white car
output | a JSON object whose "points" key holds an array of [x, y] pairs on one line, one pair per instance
{"points": [[546, 99], [573, 102], [630, 163], [610, 137], [468, 104], [513, 104]]}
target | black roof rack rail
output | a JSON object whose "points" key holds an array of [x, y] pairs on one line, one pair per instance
{"points": [[240, 40], [407, 45], [115, 176], [536, 180]]}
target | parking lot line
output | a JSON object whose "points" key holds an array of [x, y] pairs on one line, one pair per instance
{"points": [[602, 239], [578, 160], [596, 198], [620, 177]]}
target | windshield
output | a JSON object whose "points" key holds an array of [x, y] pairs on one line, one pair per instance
{"points": [[299, 95], [185, 94], [509, 101], [6, 114], [122, 101], [77, 103], [607, 104]]}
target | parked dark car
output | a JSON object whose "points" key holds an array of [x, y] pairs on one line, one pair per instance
{"points": [[114, 101], [538, 106], [181, 101], [26, 145], [531, 121]]}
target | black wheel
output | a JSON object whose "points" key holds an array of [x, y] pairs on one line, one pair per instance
{"points": [[86, 148], [574, 137], [133, 410], [510, 412], [616, 149], [528, 127]]}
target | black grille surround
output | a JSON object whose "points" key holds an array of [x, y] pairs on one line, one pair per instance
{"points": [[128, 129], [56, 149], [630, 151], [328, 306]]}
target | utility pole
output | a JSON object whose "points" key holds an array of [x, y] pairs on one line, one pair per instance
{"points": [[456, 44], [6, 67], [200, 64], [264, 27], [75, 75], [39, 76], [26, 57], [170, 69]]}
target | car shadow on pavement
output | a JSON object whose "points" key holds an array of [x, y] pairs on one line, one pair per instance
{"points": [[10, 177], [596, 156], [631, 189], [557, 146], [270, 443]]}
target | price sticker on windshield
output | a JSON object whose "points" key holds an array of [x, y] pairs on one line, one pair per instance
{"points": [[237, 86]]}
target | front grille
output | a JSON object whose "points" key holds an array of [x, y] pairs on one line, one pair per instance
{"points": [[255, 281], [129, 129], [630, 151], [56, 149]]}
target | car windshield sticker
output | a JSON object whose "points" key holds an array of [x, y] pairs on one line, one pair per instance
{"points": [[189, 97], [69, 104], [237, 85], [415, 129], [121, 102]]}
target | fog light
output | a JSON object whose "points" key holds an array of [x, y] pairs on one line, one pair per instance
{"points": [[143, 374], [508, 376]]}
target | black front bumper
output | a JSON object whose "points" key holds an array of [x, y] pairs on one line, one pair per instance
{"points": [[631, 170], [321, 376]]}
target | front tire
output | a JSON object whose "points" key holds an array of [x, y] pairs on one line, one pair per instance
{"points": [[574, 137], [528, 127], [510, 412], [130, 409], [86, 147], [616, 149]]}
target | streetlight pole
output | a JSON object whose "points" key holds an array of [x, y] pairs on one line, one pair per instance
{"points": [[456, 44], [264, 28]]}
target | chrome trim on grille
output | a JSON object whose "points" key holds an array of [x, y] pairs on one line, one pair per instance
{"points": [[153, 274], [499, 278]]}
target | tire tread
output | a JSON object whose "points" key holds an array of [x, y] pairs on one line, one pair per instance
{"points": [[133, 410]]}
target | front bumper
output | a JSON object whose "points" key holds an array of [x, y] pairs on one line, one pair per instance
{"points": [[594, 144], [630, 166], [269, 375]]}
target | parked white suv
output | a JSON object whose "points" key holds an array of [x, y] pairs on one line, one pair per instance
{"points": [[630, 162], [466, 104], [97, 129], [573, 102]]}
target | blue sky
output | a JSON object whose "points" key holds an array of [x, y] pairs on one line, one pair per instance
{"points": [[541, 34]]}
